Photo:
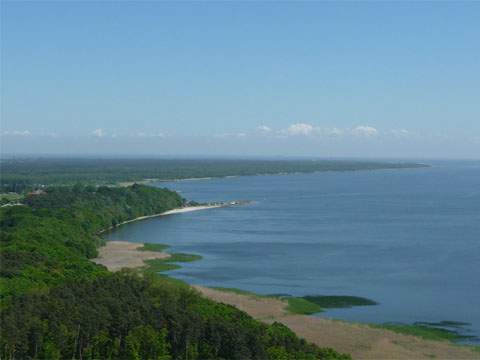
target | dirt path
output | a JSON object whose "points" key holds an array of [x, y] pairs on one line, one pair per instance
{"points": [[361, 341]]}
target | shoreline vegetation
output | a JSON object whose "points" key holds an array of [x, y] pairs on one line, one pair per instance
{"points": [[399, 341], [309, 304]]}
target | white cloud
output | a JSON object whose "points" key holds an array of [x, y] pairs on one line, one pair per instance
{"points": [[335, 132], [310, 130], [18, 133], [364, 130], [305, 129], [98, 133], [230, 135], [221, 136], [299, 129], [264, 129], [142, 134], [401, 133]]}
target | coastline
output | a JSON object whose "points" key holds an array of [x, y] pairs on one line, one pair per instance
{"points": [[360, 340], [168, 212], [160, 180]]}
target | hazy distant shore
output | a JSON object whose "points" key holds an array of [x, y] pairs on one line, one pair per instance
{"points": [[392, 166]]}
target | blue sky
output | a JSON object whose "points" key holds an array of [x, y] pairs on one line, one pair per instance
{"points": [[241, 78]]}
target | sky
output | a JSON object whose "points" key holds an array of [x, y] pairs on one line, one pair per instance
{"points": [[323, 79]]}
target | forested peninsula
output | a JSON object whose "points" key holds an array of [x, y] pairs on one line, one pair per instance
{"points": [[25, 174], [57, 304]]}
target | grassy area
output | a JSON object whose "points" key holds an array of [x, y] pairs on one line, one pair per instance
{"points": [[10, 198], [445, 323], [338, 301], [298, 305], [182, 257], [295, 305], [237, 291], [424, 331], [154, 247], [161, 265], [308, 305]]}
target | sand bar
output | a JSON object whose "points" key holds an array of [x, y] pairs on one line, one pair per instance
{"points": [[116, 255]]}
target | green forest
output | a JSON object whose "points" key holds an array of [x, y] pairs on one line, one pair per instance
{"points": [[57, 304], [23, 174]]}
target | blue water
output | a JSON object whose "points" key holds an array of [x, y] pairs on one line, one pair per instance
{"points": [[408, 239]]}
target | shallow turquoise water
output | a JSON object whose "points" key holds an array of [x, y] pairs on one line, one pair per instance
{"points": [[408, 239]]}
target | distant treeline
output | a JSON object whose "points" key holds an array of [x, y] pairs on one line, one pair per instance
{"points": [[56, 304], [19, 175]]}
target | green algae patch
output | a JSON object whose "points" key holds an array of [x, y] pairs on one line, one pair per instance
{"points": [[338, 301], [238, 291], [307, 305], [424, 331], [312, 304], [154, 247], [162, 265], [182, 257], [298, 305], [295, 305], [445, 323]]}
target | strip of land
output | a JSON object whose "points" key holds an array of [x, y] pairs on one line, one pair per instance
{"points": [[175, 211], [362, 341], [192, 208], [171, 212]]}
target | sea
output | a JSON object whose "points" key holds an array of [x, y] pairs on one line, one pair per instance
{"points": [[408, 239]]}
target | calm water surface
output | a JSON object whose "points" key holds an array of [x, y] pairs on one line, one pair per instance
{"points": [[408, 239]]}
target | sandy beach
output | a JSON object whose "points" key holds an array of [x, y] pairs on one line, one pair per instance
{"points": [[174, 211], [362, 341], [169, 212], [191, 208]]}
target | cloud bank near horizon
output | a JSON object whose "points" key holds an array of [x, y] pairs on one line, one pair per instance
{"points": [[296, 139]]}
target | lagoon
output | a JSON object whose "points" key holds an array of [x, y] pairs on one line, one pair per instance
{"points": [[408, 239]]}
